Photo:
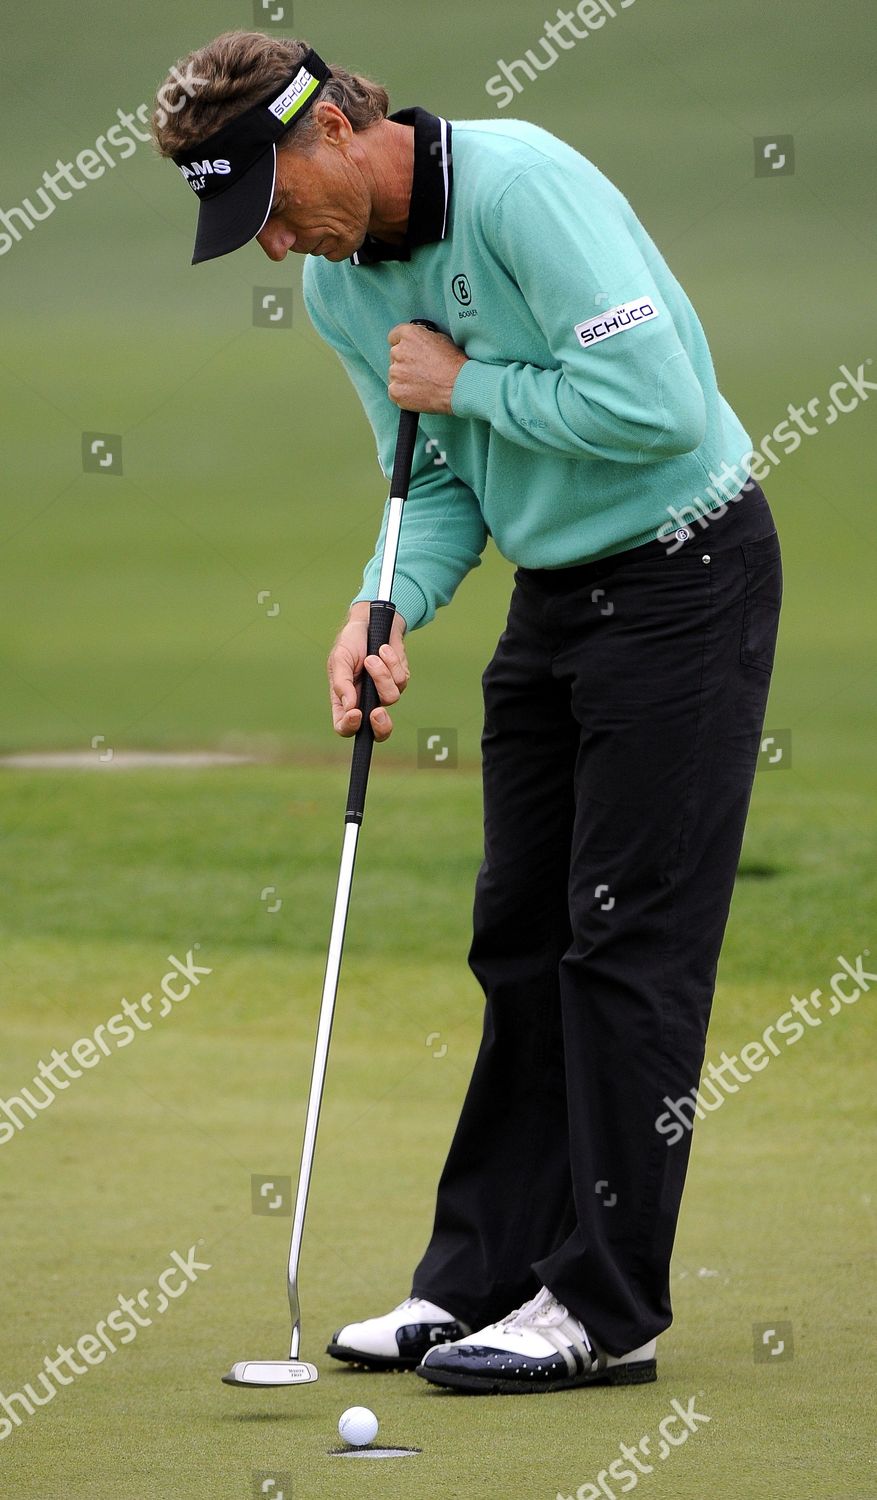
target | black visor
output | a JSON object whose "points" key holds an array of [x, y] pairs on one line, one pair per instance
{"points": [[232, 171]]}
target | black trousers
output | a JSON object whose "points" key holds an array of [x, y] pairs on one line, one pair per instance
{"points": [[623, 712]]}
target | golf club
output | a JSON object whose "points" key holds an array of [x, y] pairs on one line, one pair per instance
{"points": [[294, 1371]]}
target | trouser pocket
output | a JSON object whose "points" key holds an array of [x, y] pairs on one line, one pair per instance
{"points": [[763, 597]]}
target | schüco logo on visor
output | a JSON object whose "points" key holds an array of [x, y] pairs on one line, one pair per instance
{"points": [[291, 100], [616, 320]]}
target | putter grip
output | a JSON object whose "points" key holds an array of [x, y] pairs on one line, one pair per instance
{"points": [[404, 455], [380, 623]]}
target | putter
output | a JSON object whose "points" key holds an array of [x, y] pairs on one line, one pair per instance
{"points": [[295, 1371]]}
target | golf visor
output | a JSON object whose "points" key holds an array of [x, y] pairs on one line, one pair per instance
{"points": [[232, 171]]}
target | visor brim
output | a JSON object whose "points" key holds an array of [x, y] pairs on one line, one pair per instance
{"points": [[236, 216]]}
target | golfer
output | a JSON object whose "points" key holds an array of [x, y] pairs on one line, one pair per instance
{"points": [[569, 410]]}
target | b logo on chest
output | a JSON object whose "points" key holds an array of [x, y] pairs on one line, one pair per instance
{"points": [[463, 293]]}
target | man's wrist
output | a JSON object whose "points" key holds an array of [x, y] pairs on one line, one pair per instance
{"points": [[361, 610]]}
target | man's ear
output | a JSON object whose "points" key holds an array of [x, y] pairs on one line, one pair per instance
{"points": [[335, 127]]}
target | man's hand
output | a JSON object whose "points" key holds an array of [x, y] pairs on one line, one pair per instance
{"points": [[345, 666], [423, 368]]}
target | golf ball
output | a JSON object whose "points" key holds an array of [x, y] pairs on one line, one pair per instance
{"points": [[358, 1426]]}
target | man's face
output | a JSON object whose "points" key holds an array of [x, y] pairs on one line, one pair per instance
{"points": [[321, 202]]}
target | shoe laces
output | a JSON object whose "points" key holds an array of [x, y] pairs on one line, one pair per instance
{"points": [[544, 1311]]}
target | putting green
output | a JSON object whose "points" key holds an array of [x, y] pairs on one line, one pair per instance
{"points": [[152, 1150]]}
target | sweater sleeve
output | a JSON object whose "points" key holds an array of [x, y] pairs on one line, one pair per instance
{"points": [[632, 397], [443, 532]]}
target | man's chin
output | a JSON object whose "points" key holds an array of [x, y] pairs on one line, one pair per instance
{"points": [[330, 249], [335, 252]]}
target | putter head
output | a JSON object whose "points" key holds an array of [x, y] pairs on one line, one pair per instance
{"points": [[271, 1372]]}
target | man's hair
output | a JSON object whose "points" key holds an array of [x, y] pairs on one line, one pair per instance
{"points": [[214, 83]]}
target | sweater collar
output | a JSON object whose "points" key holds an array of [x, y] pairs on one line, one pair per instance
{"points": [[429, 210]]}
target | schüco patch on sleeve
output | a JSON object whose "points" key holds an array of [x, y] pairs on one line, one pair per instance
{"points": [[616, 320]]}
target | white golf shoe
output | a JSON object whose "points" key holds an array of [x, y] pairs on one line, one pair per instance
{"points": [[538, 1347], [398, 1339]]}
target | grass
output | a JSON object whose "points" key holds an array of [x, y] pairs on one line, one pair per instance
{"points": [[152, 1150]]}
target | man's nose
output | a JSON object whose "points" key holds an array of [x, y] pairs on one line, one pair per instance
{"points": [[276, 240]]}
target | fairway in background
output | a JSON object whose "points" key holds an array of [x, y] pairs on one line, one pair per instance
{"points": [[193, 594]]}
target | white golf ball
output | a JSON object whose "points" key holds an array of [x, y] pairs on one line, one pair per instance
{"points": [[358, 1426]]}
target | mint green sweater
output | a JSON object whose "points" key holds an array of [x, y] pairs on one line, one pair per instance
{"points": [[567, 441]]}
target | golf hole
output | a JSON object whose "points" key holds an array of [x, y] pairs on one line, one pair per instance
{"points": [[373, 1452]]}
